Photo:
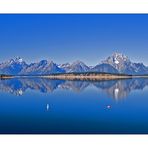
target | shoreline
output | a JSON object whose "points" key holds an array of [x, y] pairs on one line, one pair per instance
{"points": [[86, 77], [78, 76]]}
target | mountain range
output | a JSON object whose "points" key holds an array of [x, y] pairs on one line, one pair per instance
{"points": [[116, 63]]}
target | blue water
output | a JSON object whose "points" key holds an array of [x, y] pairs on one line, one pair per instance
{"points": [[43, 106]]}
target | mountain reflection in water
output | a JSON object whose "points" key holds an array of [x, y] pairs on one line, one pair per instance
{"points": [[114, 88]]}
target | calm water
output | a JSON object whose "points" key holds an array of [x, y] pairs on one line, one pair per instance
{"points": [[57, 106]]}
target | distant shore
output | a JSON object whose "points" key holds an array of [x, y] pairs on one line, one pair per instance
{"points": [[79, 76], [90, 76], [6, 76]]}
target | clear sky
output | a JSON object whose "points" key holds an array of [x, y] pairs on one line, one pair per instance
{"points": [[66, 38]]}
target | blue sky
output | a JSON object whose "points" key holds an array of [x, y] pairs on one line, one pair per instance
{"points": [[66, 38]]}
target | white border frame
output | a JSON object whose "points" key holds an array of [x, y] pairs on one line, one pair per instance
{"points": [[73, 6]]}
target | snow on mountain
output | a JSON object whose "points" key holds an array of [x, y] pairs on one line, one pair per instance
{"points": [[13, 66], [19, 60], [123, 64], [42, 67], [116, 63], [76, 66], [64, 66]]}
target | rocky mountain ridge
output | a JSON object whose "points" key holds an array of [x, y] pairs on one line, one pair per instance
{"points": [[116, 63]]}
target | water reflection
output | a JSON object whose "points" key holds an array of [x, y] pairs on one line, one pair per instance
{"points": [[47, 107], [114, 88]]}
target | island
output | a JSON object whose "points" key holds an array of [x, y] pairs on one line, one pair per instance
{"points": [[87, 76], [78, 76], [3, 76]]}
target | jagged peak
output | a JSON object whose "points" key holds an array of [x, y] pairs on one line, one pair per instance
{"points": [[18, 59], [64, 65], [15, 60], [78, 62], [43, 62], [116, 58], [119, 55], [46, 62], [51, 63]]}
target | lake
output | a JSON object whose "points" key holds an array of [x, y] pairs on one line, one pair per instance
{"points": [[44, 106]]}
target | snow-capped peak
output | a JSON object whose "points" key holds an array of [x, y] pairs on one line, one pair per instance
{"points": [[64, 65], [18, 59], [77, 62], [116, 61], [118, 55], [117, 58], [11, 61]]}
